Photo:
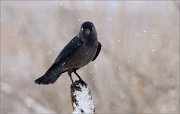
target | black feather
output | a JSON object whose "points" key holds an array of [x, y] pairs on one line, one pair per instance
{"points": [[98, 51]]}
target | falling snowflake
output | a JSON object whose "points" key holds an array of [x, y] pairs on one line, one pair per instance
{"points": [[60, 3], [119, 67], [154, 35]]}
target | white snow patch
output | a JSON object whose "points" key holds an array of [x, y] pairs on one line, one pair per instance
{"points": [[84, 101], [153, 50]]}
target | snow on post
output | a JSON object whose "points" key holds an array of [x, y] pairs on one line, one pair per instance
{"points": [[82, 100]]}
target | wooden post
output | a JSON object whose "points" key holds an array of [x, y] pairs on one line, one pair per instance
{"points": [[82, 100]]}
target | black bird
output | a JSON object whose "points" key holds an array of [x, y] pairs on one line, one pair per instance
{"points": [[81, 50]]}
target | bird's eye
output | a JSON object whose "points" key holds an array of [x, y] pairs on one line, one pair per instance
{"points": [[82, 29]]}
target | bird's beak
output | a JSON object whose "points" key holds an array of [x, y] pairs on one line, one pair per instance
{"points": [[87, 31]]}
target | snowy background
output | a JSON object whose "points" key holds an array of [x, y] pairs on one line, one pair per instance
{"points": [[136, 71]]}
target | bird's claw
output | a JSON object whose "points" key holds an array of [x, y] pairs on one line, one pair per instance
{"points": [[79, 84], [76, 87], [83, 83]]}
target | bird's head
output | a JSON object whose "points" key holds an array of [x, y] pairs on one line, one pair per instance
{"points": [[87, 29]]}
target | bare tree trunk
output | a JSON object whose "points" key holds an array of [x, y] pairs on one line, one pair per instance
{"points": [[82, 100]]}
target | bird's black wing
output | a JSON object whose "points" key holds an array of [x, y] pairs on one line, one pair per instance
{"points": [[98, 50], [55, 70], [69, 49]]}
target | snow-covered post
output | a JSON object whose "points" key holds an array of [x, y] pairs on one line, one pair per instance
{"points": [[82, 100]]}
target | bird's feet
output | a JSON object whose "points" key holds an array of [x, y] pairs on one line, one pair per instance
{"points": [[76, 86], [83, 83]]}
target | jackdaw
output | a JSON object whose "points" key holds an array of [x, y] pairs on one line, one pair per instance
{"points": [[81, 50]]}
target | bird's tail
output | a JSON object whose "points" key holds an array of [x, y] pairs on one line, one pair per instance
{"points": [[47, 79], [51, 75]]}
